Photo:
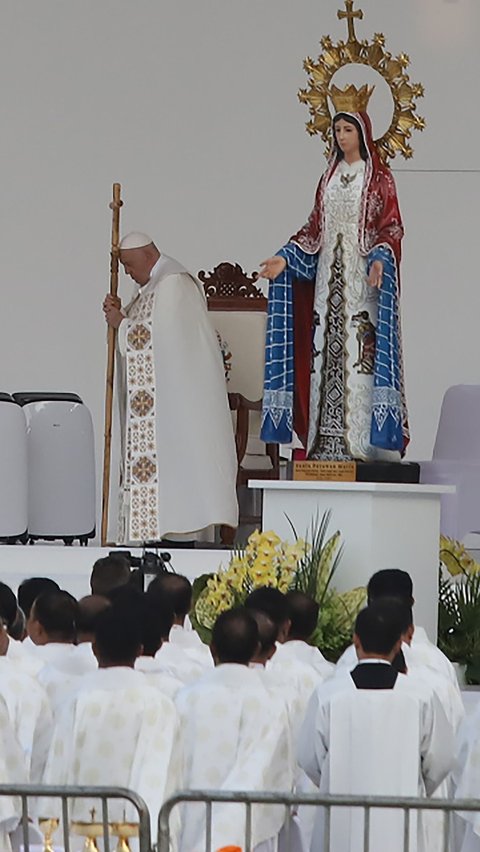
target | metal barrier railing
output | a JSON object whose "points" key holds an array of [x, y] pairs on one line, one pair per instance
{"points": [[102, 828], [366, 803]]}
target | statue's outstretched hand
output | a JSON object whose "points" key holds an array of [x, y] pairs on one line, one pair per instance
{"points": [[272, 267], [375, 276]]}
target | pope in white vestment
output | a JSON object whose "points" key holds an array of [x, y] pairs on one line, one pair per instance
{"points": [[179, 462]]}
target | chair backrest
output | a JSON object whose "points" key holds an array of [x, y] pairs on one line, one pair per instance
{"points": [[238, 311], [458, 432]]}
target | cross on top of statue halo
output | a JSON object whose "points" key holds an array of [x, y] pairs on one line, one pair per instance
{"points": [[350, 99]]}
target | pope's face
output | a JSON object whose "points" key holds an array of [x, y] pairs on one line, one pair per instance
{"points": [[347, 138], [136, 264]]}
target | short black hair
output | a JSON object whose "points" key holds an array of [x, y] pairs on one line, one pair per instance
{"points": [[57, 612], [379, 626], [157, 620], [89, 608], [235, 636], [118, 636], [271, 601], [175, 590], [108, 573], [267, 630], [30, 589], [8, 605], [303, 613], [390, 583]]}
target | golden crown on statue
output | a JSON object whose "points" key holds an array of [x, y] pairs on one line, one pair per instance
{"points": [[351, 99], [354, 51]]}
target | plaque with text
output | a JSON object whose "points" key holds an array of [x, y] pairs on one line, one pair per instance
{"points": [[325, 471]]}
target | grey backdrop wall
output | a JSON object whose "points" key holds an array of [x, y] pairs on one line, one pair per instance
{"points": [[191, 105]]}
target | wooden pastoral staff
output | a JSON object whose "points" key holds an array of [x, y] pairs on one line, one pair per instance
{"points": [[115, 206]]}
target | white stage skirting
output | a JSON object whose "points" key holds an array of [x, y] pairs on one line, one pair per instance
{"points": [[70, 567]]}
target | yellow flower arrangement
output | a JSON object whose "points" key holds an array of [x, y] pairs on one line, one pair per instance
{"points": [[266, 560]]}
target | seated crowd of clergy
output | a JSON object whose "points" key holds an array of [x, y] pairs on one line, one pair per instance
{"points": [[118, 690]]}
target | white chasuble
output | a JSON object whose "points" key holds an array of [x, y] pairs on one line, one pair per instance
{"points": [[30, 714], [237, 737], [116, 729], [13, 770], [179, 462]]}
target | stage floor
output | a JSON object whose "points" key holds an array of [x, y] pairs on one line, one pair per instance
{"points": [[70, 567]]}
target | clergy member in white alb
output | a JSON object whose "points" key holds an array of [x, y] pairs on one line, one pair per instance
{"points": [[179, 463], [236, 737], [116, 728], [375, 732]]}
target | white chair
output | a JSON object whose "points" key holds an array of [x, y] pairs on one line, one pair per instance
{"points": [[456, 461]]}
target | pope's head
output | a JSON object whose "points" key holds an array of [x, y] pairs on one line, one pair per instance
{"points": [[138, 256]]}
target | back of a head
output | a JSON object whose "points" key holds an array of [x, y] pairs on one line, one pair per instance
{"points": [[57, 613], [118, 637], [8, 606], [108, 573], [157, 620], [303, 613], [29, 591], [271, 601], [267, 635], [390, 583], [235, 637], [379, 626], [174, 590], [89, 609]]}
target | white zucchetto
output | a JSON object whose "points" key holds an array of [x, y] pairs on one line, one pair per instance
{"points": [[135, 239]]}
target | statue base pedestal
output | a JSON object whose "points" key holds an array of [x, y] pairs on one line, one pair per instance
{"points": [[353, 471]]}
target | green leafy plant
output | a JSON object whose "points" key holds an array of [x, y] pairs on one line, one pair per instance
{"points": [[459, 607]]}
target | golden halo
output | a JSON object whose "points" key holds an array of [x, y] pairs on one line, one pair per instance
{"points": [[392, 69]]}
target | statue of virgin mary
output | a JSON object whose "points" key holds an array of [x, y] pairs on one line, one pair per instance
{"points": [[334, 366]]}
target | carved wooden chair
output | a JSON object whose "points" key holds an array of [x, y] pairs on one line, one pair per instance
{"points": [[239, 315]]}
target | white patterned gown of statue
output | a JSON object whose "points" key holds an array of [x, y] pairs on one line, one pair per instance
{"points": [[345, 317]]}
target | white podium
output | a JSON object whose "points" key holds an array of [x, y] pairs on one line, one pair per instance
{"points": [[383, 525]]}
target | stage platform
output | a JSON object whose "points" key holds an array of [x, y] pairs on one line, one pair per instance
{"points": [[70, 567]]}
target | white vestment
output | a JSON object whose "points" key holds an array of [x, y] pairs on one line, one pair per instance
{"points": [[62, 669], [117, 729], [237, 737], [13, 770], [306, 653], [30, 715], [179, 463], [290, 673], [190, 642], [373, 742], [22, 655], [466, 783], [182, 665], [158, 677]]}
